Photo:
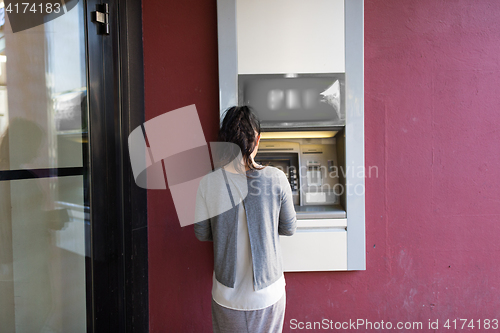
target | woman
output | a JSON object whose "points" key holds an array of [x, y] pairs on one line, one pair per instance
{"points": [[248, 290]]}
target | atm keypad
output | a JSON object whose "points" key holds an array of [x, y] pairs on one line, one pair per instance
{"points": [[292, 179]]}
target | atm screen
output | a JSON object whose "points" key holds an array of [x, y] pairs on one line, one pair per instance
{"points": [[283, 165], [287, 162]]}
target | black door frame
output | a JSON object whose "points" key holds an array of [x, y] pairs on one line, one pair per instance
{"points": [[117, 259], [117, 272]]}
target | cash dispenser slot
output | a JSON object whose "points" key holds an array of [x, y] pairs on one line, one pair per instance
{"points": [[320, 212]]}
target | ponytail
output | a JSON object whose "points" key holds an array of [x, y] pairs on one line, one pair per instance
{"points": [[239, 126]]}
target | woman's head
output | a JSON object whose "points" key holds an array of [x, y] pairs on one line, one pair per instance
{"points": [[242, 127], [24, 134]]}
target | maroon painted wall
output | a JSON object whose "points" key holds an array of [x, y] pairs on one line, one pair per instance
{"points": [[432, 102]]}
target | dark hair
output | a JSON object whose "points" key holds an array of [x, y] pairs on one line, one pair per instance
{"points": [[239, 126]]}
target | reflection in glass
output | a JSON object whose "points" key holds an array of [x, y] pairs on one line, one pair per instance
{"points": [[43, 221], [42, 258], [42, 78]]}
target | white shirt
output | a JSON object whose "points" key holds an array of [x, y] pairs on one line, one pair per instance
{"points": [[243, 296]]}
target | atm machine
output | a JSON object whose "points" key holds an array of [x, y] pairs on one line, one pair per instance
{"points": [[311, 165], [310, 103]]}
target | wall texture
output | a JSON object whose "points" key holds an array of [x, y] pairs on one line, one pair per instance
{"points": [[432, 101]]}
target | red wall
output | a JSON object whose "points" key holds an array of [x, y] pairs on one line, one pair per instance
{"points": [[432, 102]]}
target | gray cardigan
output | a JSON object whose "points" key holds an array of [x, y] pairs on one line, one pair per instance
{"points": [[269, 211]]}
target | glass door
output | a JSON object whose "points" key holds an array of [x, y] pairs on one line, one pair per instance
{"points": [[44, 189], [73, 224]]}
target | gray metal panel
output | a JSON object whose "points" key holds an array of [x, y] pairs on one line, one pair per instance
{"points": [[356, 247], [228, 54]]}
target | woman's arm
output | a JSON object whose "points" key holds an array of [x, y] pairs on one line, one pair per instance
{"points": [[203, 231], [202, 226], [288, 217]]}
